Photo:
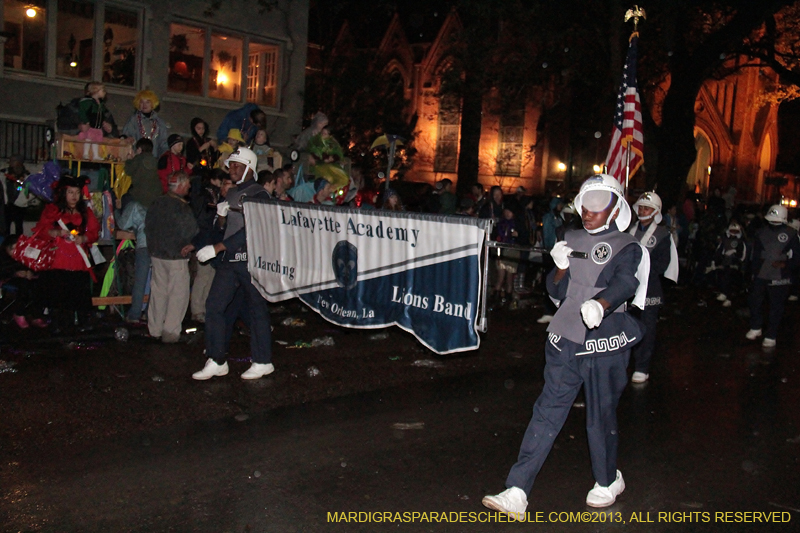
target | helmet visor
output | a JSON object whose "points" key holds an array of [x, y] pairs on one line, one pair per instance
{"points": [[596, 201]]}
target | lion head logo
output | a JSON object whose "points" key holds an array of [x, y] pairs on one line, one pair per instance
{"points": [[344, 261]]}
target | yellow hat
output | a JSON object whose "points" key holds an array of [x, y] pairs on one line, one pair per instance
{"points": [[235, 134]]}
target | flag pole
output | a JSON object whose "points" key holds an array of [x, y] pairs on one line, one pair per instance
{"points": [[634, 14], [627, 167]]}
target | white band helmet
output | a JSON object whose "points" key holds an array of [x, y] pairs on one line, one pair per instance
{"points": [[599, 192], [649, 199], [246, 157], [777, 214], [734, 229]]}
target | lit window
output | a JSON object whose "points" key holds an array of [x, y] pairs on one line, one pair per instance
{"points": [[225, 75], [186, 53], [120, 46], [446, 158], [75, 37], [509, 150], [225, 68], [25, 26], [262, 74]]}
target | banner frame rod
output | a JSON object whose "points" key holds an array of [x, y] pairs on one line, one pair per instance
{"points": [[482, 324]]}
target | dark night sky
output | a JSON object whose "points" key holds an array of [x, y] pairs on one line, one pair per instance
{"points": [[369, 19]]}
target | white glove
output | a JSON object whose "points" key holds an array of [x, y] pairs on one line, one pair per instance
{"points": [[222, 209], [560, 254], [592, 313], [206, 253]]}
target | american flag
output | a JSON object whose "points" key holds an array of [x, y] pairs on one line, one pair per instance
{"points": [[627, 122]]}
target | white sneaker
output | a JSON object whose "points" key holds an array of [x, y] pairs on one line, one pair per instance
{"points": [[753, 334], [605, 496], [721, 297], [258, 370], [726, 303], [793, 298], [211, 370], [512, 502], [768, 343], [545, 319], [639, 377]]}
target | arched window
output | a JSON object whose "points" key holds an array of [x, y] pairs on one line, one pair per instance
{"points": [[509, 149], [446, 159]]}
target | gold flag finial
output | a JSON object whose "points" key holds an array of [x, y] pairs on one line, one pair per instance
{"points": [[635, 14]]}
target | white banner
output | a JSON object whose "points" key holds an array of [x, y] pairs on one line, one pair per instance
{"points": [[371, 269]]}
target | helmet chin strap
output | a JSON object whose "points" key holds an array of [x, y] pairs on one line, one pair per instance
{"points": [[246, 170], [648, 217], [609, 219]]}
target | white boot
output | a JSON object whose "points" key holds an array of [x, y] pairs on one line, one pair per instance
{"points": [[258, 370], [605, 496], [753, 334], [211, 370], [512, 502]]}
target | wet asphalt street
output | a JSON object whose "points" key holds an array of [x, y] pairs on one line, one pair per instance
{"points": [[104, 436]]}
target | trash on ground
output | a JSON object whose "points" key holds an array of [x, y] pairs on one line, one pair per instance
{"points": [[7, 366], [378, 336], [411, 425], [282, 343], [122, 334], [158, 379], [300, 344], [428, 363], [795, 440], [87, 346], [241, 417], [293, 322], [312, 372], [323, 341], [395, 358]]}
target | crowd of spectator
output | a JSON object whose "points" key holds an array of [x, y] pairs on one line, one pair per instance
{"points": [[178, 185]]}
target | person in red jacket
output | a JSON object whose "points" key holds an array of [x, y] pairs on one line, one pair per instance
{"points": [[172, 161], [72, 227]]}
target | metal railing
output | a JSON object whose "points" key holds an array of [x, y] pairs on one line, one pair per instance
{"points": [[23, 138]]}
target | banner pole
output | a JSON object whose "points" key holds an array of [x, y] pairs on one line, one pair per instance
{"points": [[392, 146], [482, 323]]}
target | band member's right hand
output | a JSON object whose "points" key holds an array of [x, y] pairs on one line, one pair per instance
{"points": [[560, 254]]}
